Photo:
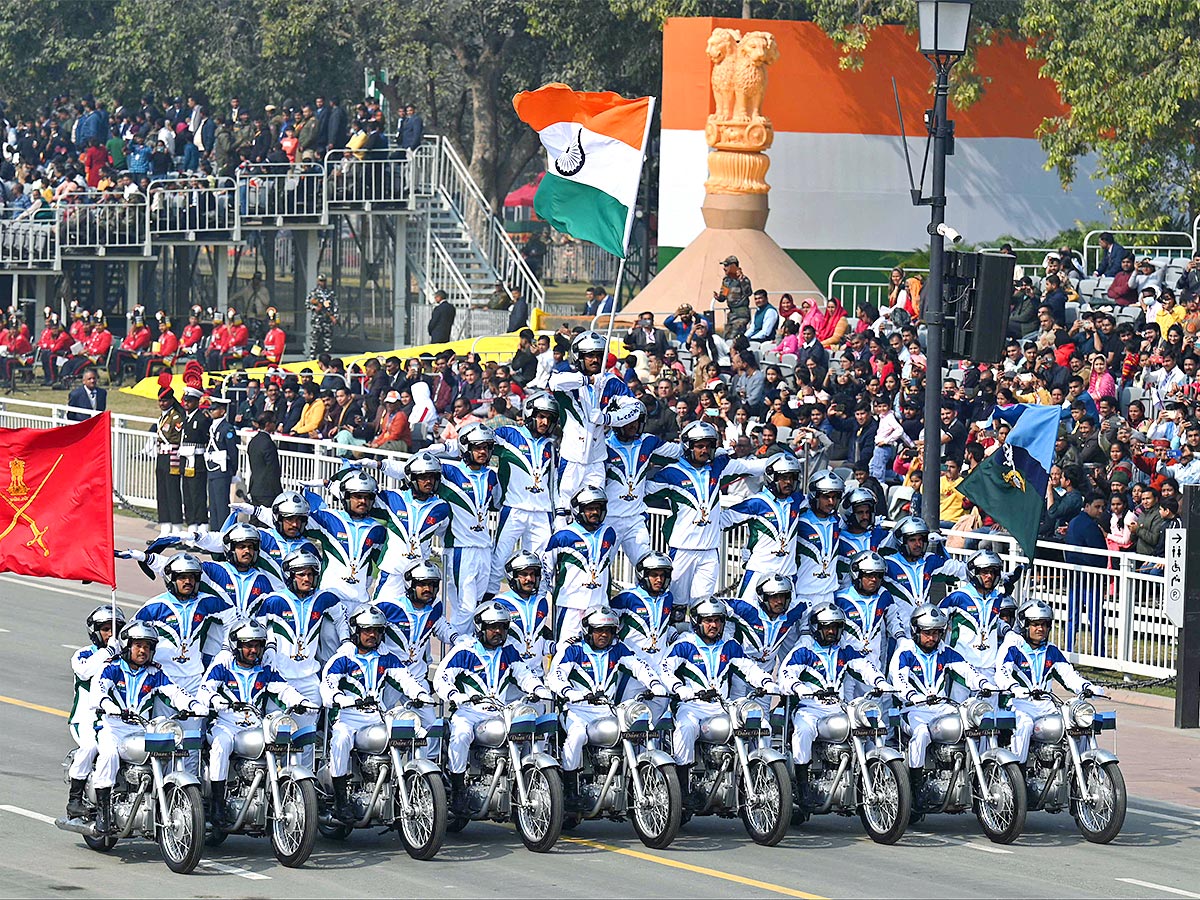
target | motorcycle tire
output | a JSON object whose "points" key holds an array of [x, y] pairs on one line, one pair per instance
{"points": [[887, 819], [294, 827], [100, 844], [1002, 825], [768, 823], [540, 823], [181, 836], [215, 837], [423, 831], [658, 823], [1100, 826], [334, 830]]}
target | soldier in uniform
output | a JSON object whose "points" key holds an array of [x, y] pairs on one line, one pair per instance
{"points": [[221, 460], [322, 315], [194, 474], [169, 432], [735, 294]]}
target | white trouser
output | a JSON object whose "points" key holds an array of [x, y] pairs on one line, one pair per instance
{"points": [[529, 527], [310, 687], [193, 729], [633, 537], [804, 730], [391, 587], [576, 720], [688, 717], [1026, 711], [462, 733], [576, 475], [695, 575], [85, 736], [917, 719], [568, 623], [221, 735], [813, 590], [468, 570], [341, 738], [108, 757]]}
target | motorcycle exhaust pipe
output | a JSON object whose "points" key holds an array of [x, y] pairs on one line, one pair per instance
{"points": [[726, 765], [79, 826], [952, 784], [843, 765], [241, 817], [608, 780]]}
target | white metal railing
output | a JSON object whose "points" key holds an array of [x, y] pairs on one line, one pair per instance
{"points": [[194, 210], [1110, 618], [105, 224], [30, 244], [281, 195], [368, 180], [458, 187], [570, 261], [1145, 243], [848, 285]]}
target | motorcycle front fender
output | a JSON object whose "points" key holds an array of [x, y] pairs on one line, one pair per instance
{"points": [[421, 767], [1098, 756], [766, 755], [539, 760], [999, 755], [656, 758], [297, 773], [887, 754], [181, 779]]}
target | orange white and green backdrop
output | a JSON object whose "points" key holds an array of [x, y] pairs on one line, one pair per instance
{"points": [[839, 187]]}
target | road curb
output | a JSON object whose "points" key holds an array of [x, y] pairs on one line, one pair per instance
{"points": [[1134, 698]]}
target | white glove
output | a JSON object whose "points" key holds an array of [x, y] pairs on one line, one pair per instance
{"points": [[686, 693], [137, 555], [575, 695], [316, 484], [247, 508], [369, 464], [658, 689], [425, 697], [598, 417], [543, 693], [1021, 693]]}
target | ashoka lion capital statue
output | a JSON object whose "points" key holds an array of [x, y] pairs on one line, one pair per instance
{"points": [[738, 131]]}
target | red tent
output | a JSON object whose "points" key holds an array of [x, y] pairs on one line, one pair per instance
{"points": [[523, 196]]}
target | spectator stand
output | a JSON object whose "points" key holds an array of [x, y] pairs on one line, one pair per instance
{"points": [[369, 182], [29, 246], [1162, 246], [854, 285]]}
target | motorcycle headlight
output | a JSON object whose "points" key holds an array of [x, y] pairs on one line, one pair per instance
{"points": [[165, 725], [634, 712], [746, 713], [1081, 714], [975, 710], [279, 725], [866, 713]]}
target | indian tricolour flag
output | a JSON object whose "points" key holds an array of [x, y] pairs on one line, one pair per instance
{"points": [[594, 147]]}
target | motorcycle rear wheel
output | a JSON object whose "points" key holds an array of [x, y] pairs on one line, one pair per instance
{"points": [[1002, 819], [1101, 821], [768, 821], [885, 817], [100, 844], [181, 836]]}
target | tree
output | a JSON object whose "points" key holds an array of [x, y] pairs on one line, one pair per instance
{"points": [[1132, 80]]}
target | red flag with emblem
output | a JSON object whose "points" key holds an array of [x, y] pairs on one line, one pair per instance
{"points": [[56, 510]]}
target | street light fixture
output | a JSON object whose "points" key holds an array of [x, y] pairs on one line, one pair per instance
{"points": [[944, 25]]}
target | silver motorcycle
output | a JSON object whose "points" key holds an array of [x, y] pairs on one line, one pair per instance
{"points": [[1068, 770], [965, 770], [271, 792], [152, 797], [622, 776], [854, 770], [507, 780], [734, 776], [391, 784]]}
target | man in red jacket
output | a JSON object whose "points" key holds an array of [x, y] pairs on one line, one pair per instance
{"points": [[217, 342], [53, 345], [193, 334], [237, 339], [95, 349], [165, 349], [274, 343], [134, 347], [16, 347]]}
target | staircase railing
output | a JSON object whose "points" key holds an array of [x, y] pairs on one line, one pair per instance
{"points": [[493, 242], [435, 270]]}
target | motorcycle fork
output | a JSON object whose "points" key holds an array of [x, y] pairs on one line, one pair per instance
{"points": [[860, 757], [977, 765], [273, 783], [514, 760], [1077, 765], [639, 792], [744, 765], [160, 792], [401, 786]]}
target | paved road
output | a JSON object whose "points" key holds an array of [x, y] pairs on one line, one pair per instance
{"points": [[1158, 855]]}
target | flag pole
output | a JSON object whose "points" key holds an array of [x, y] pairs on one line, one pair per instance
{"points": [[114, 638], [616, 298]]}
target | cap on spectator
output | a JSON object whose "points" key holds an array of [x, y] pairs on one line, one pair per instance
{"points": [[730, 261], [1120, 477], [392, 397], [270, 107], [216, 400]]}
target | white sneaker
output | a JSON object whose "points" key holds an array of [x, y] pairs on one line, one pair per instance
{"points": [[164, 529]]}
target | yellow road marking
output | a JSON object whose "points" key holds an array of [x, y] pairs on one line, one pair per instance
{"points": [[27, 705], [699, 870]]}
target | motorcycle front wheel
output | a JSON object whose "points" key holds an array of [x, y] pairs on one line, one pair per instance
{"points": [[885, 814], [768, 818], [1002, 817], [540, 820], [1100, 820], [181, 833], [294, 824], [423, 824], [657, 821]]}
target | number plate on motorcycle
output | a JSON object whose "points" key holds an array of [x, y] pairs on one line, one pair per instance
{"points": [[1106, 720], [160, 743]]}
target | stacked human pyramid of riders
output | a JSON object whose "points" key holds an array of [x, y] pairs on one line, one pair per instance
{"points": [[287, 685]]}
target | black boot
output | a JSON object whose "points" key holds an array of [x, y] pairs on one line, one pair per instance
{"points": [[684, 774], [220, 812], [342, 811], [104, 822], [459, 801], [75, 805], [572, 802]]}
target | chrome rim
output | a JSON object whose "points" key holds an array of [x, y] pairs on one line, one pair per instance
{"points": [[998, 806], [176, 831], [882, 807], [763, 813], [652, 812], [534, 816], [1096, 814], [288, 826], [416, 818]]}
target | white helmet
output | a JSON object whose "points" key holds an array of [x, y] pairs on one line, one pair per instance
{"points": [[422, 573], [490, 613], [521, 561], [600, 617], [367, 616], [708, 608], [301, 558], [587, 343], [475, 435], [359, 482], [240, 533], [866, 562], [587, 496], [183, 564], [825, 481], [780, 466], [774, 585], [540, 403], [980, 562], [289, 504], [695, 432], [857, 497], [101, 614], [928, 617], [422, 464], [653, 562], [138, 630], [245, 632], [910, 526], [1034, 611]]}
